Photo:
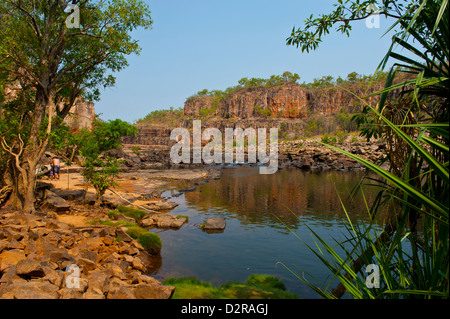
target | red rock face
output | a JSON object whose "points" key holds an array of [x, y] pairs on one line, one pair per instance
{"points": [[288, 102], [194, 105], [284, 101]]}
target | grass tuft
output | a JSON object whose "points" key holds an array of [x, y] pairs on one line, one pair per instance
{"points": [[256, 287]]}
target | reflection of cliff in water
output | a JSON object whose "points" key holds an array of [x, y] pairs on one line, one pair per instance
{"points": [[264, 199]]}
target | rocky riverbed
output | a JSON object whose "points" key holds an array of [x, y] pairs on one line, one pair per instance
{"points": [[301, 153], [36, 250]]}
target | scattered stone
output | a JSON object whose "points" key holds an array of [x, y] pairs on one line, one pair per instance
{"points": [[161, 205], [29, 268], [54, 202], [215, 223], [153, 291], [62, 258], [163, 221], [3, 244], [153, 194], [121, 234], [86, 264], [137, 264], [10, 258]]}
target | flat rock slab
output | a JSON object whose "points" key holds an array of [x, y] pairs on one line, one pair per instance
{"points": [[160, 205], [10, 258], [163, 221], [215, 223], [30, 290], [70, 194], [29, 268], [54, 202]]}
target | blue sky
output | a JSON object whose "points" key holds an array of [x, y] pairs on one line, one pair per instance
{"points": [[211, 44]]}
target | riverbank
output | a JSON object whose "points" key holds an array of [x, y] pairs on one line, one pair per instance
{"points": [[35, 250], [301, 153]]}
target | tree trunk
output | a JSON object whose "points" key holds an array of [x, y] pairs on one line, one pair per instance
{"points": [[99, 198], [24, 155], [23, 179], [29, 190]]}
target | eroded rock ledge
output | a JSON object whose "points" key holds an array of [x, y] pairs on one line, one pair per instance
{"points": [[35, 252]]}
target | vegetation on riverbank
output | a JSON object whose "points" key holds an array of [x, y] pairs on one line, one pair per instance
{"points": [[255, 287], [149, 241], [405, 261]]}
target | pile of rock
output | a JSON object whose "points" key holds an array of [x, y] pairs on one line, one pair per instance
{"points": [[163, 221], [311, 156], [35, 252]]}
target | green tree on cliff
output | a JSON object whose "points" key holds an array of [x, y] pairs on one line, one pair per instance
{"points": [[54, 61]]}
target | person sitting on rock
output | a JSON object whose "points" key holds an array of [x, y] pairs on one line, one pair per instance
{"points": [[56, 165]]}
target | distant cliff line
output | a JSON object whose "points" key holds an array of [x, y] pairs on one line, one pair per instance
{"points": [[283, 97], [299, 110]]}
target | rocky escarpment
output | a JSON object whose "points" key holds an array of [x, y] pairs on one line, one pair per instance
{"points": [[289, 100], [80, 116], [312, 155], [149, 136]]}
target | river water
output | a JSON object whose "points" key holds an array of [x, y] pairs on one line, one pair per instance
{"points": [[266, 226]]}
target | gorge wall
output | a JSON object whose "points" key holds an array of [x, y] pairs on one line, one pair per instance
{"points": [[290, 101], [288, 107], [80, 116]]}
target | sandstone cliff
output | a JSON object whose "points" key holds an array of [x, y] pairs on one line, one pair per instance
{"points": [[81, 115], [283, 101]]}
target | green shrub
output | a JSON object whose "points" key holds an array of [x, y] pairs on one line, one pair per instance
{"points": [[113, 214], [207, 112], [262, 112], [341, 136], [135, 149], [135, 213], [150, 241], [117, 223], [329, 140]]}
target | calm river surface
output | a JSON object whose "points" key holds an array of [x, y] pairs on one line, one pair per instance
{"points": [[259, 209]]}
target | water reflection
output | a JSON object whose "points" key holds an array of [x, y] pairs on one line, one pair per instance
{"points": [[259, 209], [263, 200]]}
